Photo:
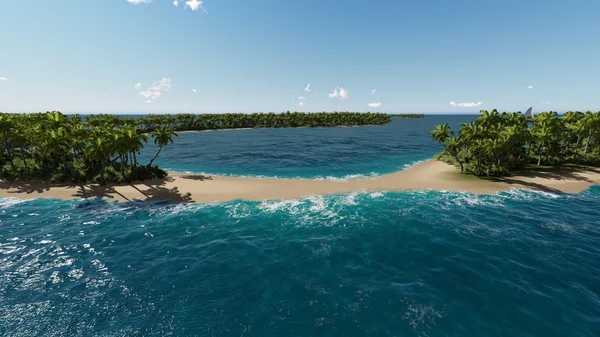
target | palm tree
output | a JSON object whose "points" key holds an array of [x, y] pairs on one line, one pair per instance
{"points": [[441, 133], [453, 147], [100, 150], [162, 137], [591, 121]]}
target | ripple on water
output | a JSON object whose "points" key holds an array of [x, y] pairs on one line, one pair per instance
{"points": [[370, 263]]}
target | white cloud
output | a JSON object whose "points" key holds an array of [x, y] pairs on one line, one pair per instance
{"points": [[158, 89], [301, 100], [195, 5], [194, 91], [137, 2], [545, 102], [307, 89], [339, 93], [530, 87], [374, 105], [175, 3], [138, 87], [3, 79], [149, 101], [373, 92], [16, 99], [465, 104]]}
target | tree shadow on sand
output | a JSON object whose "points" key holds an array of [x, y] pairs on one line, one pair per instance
{"points": [[154, 190], [199, 177], [86, 191], [529, 184], [157, 192], [559, 173], [23, 187]]}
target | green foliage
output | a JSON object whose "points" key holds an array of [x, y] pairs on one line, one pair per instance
{"points": [[52, 147], [184, 122], [407, 115], [496, 144]]}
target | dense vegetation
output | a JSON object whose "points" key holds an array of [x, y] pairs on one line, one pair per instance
{"points": [[496, 144], [407, 115], [53, 147], [103, 148], [184, 122]]}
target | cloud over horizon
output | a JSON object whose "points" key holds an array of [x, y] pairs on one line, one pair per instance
{"points": [[339, 93], [374, 105], [301, 100], [465, 104], [195, 5], [137, 2], [3, 79], [158, 89]]}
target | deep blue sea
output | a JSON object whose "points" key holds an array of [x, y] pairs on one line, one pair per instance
{"points": [[430, 263]]}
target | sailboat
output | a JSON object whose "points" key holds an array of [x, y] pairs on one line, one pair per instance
{"points": [[529, 113]]}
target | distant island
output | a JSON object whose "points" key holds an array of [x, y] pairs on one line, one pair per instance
{"points": [[102, 148], [500, 144], [407, 115], [67, 157], [201, 122]]}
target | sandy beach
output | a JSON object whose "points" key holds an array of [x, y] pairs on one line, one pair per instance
{"points": [[429, 175]]}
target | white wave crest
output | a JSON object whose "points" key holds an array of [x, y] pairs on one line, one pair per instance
{"points": [[407, 166], [8, 202]]}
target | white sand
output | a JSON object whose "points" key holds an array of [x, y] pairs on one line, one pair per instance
{"points": [[431, 174]]}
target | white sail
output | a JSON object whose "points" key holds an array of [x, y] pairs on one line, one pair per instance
{"points": [[528, 113]]}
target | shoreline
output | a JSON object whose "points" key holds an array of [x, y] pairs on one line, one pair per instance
{"points": [[427, 175], [287, 127]]}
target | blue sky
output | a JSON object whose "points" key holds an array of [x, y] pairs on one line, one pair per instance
{"points": [[244, 55]]}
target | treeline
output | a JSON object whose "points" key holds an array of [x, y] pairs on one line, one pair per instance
{"points": [[186, 122], [407, 115], [53, 147], [496, 144]]}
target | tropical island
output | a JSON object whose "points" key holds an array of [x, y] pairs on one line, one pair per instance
{"points": [[102, 149], [202, 122], [500, 144], [407, 115], [66, 157]]}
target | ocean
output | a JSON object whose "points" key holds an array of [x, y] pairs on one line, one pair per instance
{"points": [[430, 263]]}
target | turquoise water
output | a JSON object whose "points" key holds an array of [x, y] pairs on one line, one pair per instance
{"points": [[305, 153], [431, 263]]}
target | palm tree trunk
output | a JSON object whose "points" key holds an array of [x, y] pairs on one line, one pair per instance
{"points": [[462, 169], [156, 155], [134, 159], [102, 182], [25, 161], [10, 158], [540, 156], [68, 167], [122, 166], [587, 143]]}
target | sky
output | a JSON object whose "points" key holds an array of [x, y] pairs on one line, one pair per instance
{"points": [[215, 56]]}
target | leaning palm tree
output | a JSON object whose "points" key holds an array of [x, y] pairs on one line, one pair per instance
{"points": [[453, 147], [162, 137], [441, 133]]}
